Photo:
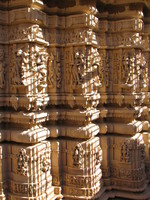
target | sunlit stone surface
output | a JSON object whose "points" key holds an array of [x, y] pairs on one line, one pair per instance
{"points": [[74, 99]]}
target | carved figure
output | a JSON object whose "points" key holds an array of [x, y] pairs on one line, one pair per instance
{"points": [[2, 71], [45, 165], [126, 70], [78, 154], [58, 75], [51, 78], [15, 66], [42, 58], [77, 69], [125, 153], [22, 162]]}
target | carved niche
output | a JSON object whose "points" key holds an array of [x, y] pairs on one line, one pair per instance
{"points": [[143, 79], [104, 71], [127, 68], [54, 70], [28, 66], [98, 156], [45, 164], [131, 148], [78, 156], [116, 73], [14, 68], [22, 162], [97, 68], [2, 69], [125, 153], [77, 68]]}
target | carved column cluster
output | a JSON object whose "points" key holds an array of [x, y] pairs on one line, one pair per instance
{"points": [[74, 99], [124, 107], [26, 164]]}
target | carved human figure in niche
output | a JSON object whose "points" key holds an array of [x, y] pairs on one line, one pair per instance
{"points": [[22, 162], [142, 76], [2, 71], [51, 77], [15, 75], [58, 75], [125, 153], [22, 61], [77, 69], [100, 70], [126, 70], [78, 155], [42, 58], [116, 68], [15, 66], [75, 75], [45, 165]]}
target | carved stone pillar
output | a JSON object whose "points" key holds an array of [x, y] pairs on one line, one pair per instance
{"points": [[74, 99]]}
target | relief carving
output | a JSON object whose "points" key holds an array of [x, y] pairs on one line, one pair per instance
{"points": [[77, 68], [98, 156], [78, 156], [79, 181], [38, 68], [116, 67], [24, 189], [2, 69], [140, 71], [45, 164], [51, 75], [98, 68], [103, 70], [54, 70], [58, 75], [15, 68], [127, 70], [125, 153], [22, 62], [42, 58], [22, 162]]}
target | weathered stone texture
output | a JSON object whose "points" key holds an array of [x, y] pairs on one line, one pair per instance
{"points": [[74, 99]]}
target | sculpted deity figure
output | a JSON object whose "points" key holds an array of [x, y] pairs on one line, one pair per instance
{"points": [[143, 74], [22, 162], [14, 73], [51, 78], [58, 75], [78, 155], [126, 70], [22, 61], [77, 68], [42, 67]]}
